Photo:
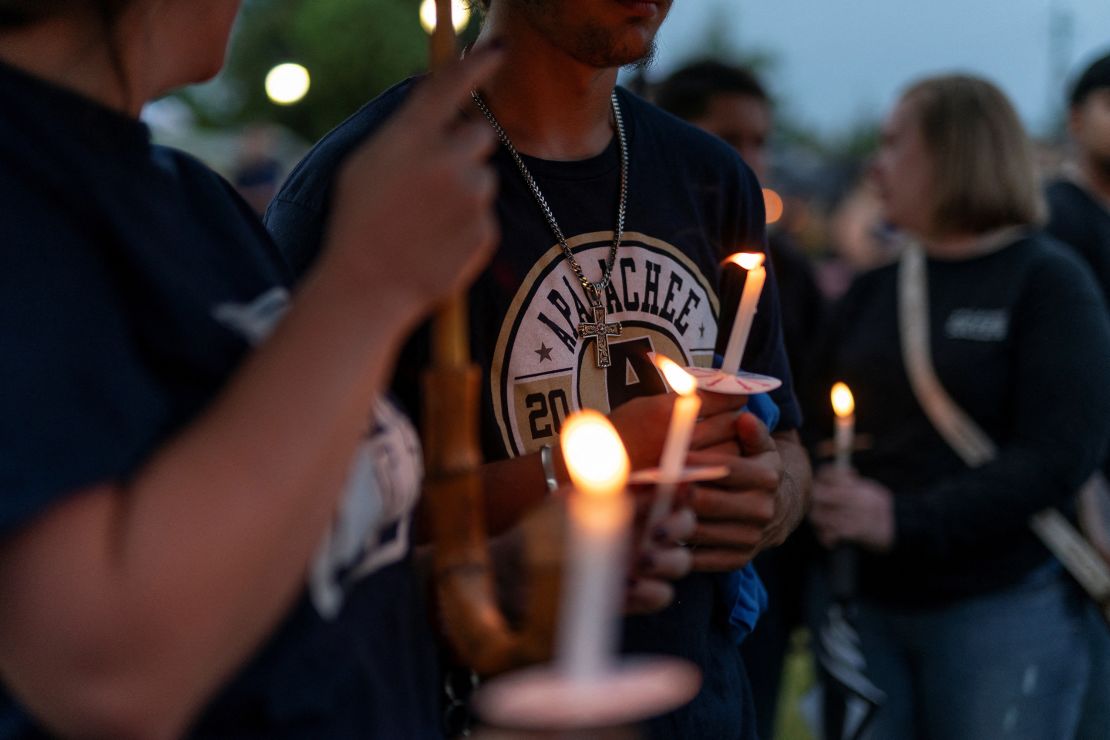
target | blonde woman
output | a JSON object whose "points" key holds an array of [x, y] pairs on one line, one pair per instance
{"points": [[967, 623]]}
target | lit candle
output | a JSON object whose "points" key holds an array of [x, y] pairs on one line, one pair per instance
{"points": [[599, 516], [745, 314], [684, 416], [844, 406]]}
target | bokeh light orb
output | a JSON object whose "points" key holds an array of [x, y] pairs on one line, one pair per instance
{"points": [[460, 15], [287, 84], [772, 202]]}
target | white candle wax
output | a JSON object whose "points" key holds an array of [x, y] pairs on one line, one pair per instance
{"points": [[844, 406], [745, 314], [684, 416], [845, 440], [681, 430], [593, 585], [600, 513]]}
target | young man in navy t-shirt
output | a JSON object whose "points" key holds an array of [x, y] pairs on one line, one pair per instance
{"points": [[545, 314]]}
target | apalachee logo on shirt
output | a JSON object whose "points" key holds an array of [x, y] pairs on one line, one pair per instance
{"points": [[542, 371]]}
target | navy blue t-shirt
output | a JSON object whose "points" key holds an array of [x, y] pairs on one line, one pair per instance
{"points": [[133, 284], [692, 202]]}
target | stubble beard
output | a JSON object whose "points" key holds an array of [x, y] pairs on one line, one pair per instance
{"points": [[596, 47], [593, 46]]}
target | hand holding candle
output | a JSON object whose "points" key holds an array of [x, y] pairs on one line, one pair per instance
{"points": [[599, 517], [745, 314], [588, 685], [844, 406]]}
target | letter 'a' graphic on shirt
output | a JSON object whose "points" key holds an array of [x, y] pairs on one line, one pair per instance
{"points": [[542, 371]]}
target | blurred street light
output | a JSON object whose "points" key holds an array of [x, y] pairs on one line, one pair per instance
{"points": [[287, 84], [773, 205], [460, 15]]}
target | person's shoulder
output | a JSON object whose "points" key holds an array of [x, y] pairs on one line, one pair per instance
{"points": [[309, 183], [1042, 251], [189, 170], [1048, 264], [1063, 191], [681, 142]]}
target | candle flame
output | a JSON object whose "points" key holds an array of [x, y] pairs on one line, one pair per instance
{"points": [[594, 454], [842, 401], [680, 381], [747, 260]]}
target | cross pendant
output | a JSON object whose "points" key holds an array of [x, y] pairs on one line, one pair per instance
{"points": [[601, 331]]}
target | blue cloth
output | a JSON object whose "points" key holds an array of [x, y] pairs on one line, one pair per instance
{"points": [[765, 410], [748, 597]]}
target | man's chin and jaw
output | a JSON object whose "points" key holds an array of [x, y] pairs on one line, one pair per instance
{"points": [[602, 34]]}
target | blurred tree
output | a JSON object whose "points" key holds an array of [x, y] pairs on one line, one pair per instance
{"points": [[353, 49]]}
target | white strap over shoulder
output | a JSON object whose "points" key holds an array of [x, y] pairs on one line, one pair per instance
{"points": [[959, 430]]}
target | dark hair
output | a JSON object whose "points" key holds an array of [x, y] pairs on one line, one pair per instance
{"points": [[687, 92], [1095, 76]]}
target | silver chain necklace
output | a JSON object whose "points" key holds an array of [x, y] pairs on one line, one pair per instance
{"points": [[599, 328]]}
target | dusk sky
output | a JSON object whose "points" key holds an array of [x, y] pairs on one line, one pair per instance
{"points": [[840, 61]]}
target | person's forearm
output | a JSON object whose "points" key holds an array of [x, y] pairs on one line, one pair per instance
{"points": [[989, 504], [127, 607], [794, 490], [515, 486]]}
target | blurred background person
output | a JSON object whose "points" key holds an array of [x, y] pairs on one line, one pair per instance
{"points": [[967, 623], [1079, 215], [181, 548], [1079, 202], [258, 170], [862, 240], [731, 103]]}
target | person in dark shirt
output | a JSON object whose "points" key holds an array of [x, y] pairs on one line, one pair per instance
{"points": [[690, 202], [1079, 204], [967, 623], [178, 551], [731, 103], [1079, 216]]}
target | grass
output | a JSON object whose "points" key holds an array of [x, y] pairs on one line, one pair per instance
{"points": [[797, 679]]}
